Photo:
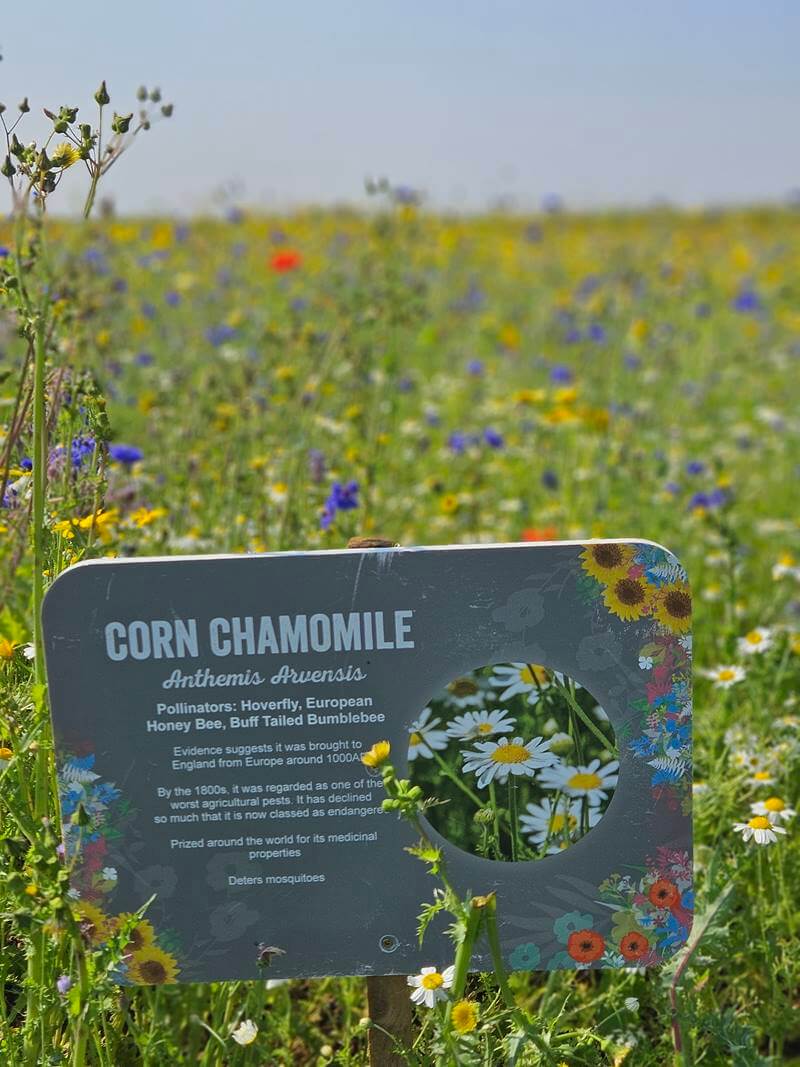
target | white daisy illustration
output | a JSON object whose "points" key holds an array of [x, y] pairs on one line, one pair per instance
{"points": [[542, 821], [424, 738], [591, 781], [495, 761], [430, 985], [474, 724]]}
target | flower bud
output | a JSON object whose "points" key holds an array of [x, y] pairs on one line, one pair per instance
{"points": [[121, 123], [101, 96], [141, 93], [24, 106], [167, 109], [8, 170]]}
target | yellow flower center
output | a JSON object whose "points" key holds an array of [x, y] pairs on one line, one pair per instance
{"points": [[774, 804], [759, 822], [465, 1017], [726, 674], [754, 638], [532, 674], [415, 739], [510, 754], [586, 780], [762, 776], [432, 981], [484, 728]]}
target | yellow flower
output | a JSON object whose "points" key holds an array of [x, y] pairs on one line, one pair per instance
{"points": [[140, 937], [674, 607], [144, 516], [285, 373], [94, 922], [31, 889], [152, 966], [7, 649], [465, 1016], [510, 336], [64, 155], [378, 754], [607, 562], [628, 598], [449, 503], [6, 753]]}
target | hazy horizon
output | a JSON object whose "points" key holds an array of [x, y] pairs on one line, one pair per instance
{"points": [[472, 104]]}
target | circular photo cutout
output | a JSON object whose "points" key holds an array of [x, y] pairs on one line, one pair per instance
{"points": [[520, 761]]}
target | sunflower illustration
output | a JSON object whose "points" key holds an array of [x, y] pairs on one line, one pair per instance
{"points": [[152, 966], [607, 561], [673, 607], [140, 937], [94, 922], [628, 598]]}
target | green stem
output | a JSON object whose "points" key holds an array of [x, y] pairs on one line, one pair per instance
{"points": [[451, 774], [598, 733], [514, 817]]}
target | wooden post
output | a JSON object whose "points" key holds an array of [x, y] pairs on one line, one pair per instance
{"points": [[388, 996]]}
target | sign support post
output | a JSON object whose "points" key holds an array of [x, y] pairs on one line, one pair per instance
{"points": [[388, 999]]}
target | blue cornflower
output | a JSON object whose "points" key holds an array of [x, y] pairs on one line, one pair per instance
{"points": [[695, 466], [26, 463], [4, 251], [125, 454], [80, 448], [747, 301], [561, 374], [475, 368], [597, 333], [173, 298], [345, 497], [457, 442], [218, 335], [492, 438], [550, 480], [144, 359]]}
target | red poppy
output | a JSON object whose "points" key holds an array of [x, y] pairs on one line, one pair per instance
{"points": [[539, 533], [664, 894], [586, 945], [286, 259], [633, 946]]}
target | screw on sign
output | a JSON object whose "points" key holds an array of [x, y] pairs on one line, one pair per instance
{"points": [[387, 995]]}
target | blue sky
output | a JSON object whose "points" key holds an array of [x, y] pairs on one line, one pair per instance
{"points": [[604, 103]]}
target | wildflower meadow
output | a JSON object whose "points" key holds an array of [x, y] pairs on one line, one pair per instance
{"points": [[252, 383]]}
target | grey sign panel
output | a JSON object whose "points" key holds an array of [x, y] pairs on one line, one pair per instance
{"points": [[210, 714]]}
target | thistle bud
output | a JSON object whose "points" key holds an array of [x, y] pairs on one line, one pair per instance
{"points": [[141, 93], [121, 123], [155, 95], [8, 170], [167, 109], [24, 106], [101, 96]]}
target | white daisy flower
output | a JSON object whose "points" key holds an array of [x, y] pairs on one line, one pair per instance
{"points": [[724, 677], [699, 788], [466, 692], [774, 809], [29, 651], [494, 761], [591, 781], [542, 821], [645, 663], [760, 776], [424, 738], [520, 678], [245, 1033], [757, 640], [480, 724], [759, 829], [430, 985]]}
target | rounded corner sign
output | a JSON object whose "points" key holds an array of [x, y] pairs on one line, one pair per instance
{"points": [[210, 715]]}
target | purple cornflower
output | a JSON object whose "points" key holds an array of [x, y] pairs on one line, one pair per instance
{"points": [[144, 359], [747, 301], [550, 480], [457, 442], [695, 466], [80, 448], [342, 498], [492, 438], [172, 298], [561, 374], [475, 368], [63, 984], [218, 335]]}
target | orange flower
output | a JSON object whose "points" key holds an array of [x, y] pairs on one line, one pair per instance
{"points": [[539, 533], [286, 259], [586, 945], [663, 894], [634, 945]]}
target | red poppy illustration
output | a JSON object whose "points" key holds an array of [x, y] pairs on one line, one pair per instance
{"points": [[585, 946], [634, 945]]}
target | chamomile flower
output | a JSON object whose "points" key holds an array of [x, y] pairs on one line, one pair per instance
{"points": [[245, 1033], [761, 777], [423, 737], [474, 724], [774, 809], [543, 820], [495, 761], [758, 829], [521, 678], [430, 985], [591, 781], [466, 692], [725, 676], [757, 640]]}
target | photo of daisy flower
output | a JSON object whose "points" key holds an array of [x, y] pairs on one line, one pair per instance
{"points": [[494, 761], [484, 723], [592, 781], [725, 676], [759, 829], [774, 809], [759, 639], [516, 678], [424, 738]]}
